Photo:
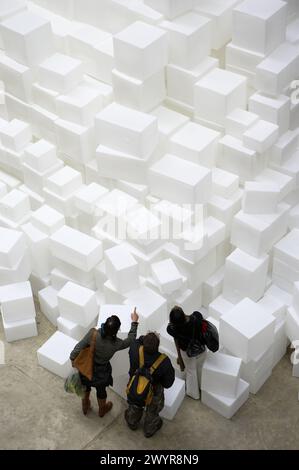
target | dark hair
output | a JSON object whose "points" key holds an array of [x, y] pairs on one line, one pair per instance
{"points": [[177, 316], [110, 327], [151, 343]]}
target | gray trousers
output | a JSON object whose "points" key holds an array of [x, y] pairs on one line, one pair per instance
{"points": [[152, 421]]}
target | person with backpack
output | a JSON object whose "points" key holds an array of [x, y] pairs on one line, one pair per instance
{"points": [[106, 344], [191, 336], [150, 373]]}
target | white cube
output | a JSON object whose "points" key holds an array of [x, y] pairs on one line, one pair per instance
{"points": [[20, 329], [87, 197], [76, 248], [244, 276], [152, 308], [15, 206], [60, 73], [217, 94], [292, 324], [174, 397], [220, 306], [260, 198], [73, 329], [189, 39], [127, 130], [170, 8], [47, 220], [238, 121], [247, 330], [140, 50], [17, 302], [196, 143], [287, 249], [212, 287], [180, 181], [121, 269], [15, 135], [41, 155], [226, 406], [275, 110], [261, 136], [54, 354], [124, 314], [12, 247], [27, 38], [266, 19], [48, 302], [64, 181], [77, 303], [221, 374], [74, 140], [20, 272], [38, 243], [225, 184], [167, 276], [238, 159]]}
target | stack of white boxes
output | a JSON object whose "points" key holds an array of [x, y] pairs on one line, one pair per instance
{"points": [[286, 261], [15, 135], [15, 263], [18, 311]]}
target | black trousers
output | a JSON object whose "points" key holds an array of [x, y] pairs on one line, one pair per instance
{"points": [[100, 388]]}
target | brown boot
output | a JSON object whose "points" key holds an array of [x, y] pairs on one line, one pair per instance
{"points": [[86, 406], [104, 407]]}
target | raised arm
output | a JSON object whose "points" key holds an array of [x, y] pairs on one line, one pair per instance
{"points": [[125, 343]]}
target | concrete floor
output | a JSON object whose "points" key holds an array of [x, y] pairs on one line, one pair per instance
{"points": [[36, 413]]}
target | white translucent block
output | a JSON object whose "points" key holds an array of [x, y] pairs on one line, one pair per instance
{"points": [[80, 105], [285, 147], [27, 38], [38, 243], [17, 77], [118, 165], [143, 95], [261, 136], [35, 180], [19, 329], [275, 73], [17, 302], [15, 135], [257, 233], [77, 303], [48, 302], [54, 354], [260, 198], [41, 155], [140, 50], [87, 197], [196, 143], [238, 121], [181, 81], [189, 39], [18, 273], [274, 306], [212, 287], [104, 89], [217, 94], [170, 8], [74, 140], [287, 249], [12, 247], [266, 19], [180, 181], [15, 205], [220, 306], [292, 324], [44, 97], [221, 374], [247, 330], [241, 58], [244, 276], [103, 62], [238, 159], [167, 276], [127, 130], [47, 219], [275, 110], [226, 406], [121, 269], [60, 73], [152, 308], [76, 248], [64, 182], [285, 183], [225, 184], [174, 397]]}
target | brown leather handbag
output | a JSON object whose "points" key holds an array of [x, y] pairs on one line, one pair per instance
{"points": [[84, 360]]}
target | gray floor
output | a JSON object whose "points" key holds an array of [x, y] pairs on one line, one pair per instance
{"points": [[36, 413]]}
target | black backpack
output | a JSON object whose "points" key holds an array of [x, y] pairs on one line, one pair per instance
{"points": [[140, 387]]}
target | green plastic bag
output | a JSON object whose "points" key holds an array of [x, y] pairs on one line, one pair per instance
{"points": [[73, 384]]}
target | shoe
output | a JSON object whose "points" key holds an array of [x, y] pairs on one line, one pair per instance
{"points": [[146, 434], [86, 406], [104, 407]]}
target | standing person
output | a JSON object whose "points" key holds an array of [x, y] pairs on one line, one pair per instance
{"points": [[106, 345], [183, 329], [155, 367]]}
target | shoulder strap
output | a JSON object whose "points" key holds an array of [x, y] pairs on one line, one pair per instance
{"points": [[157, 363], [141, 356], [93, 340]]}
